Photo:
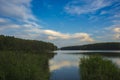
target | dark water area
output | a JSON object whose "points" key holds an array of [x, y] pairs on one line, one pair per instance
{"points": [[65, 64]]}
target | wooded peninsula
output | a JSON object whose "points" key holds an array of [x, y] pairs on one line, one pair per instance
{"points": [[16, 44]]}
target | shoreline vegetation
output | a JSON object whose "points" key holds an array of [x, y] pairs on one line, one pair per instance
{"points": [[24, 65], [95, 46], [22, 59], [97, 68]]}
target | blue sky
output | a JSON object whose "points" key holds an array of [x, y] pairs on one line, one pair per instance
{"points": [[62, 22]]}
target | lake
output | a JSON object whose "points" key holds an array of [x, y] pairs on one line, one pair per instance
{"points": [[65, 64]]}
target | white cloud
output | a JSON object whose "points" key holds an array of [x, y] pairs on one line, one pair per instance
{"points": [[32, 28], [52, 37], [17, 9], [85, 6], [117, 36], [116, 29], [9, 26], [117, 32], [2, 20], [82, 36], [58, 35]]}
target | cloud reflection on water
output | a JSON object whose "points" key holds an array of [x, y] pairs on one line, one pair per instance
{"points": [[55, 65]]}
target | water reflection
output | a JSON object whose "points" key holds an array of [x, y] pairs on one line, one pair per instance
{"points": [[65, 65], [66, 73], [55, 65]]}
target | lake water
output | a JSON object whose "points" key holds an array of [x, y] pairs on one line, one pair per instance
{"points": [[65, 64]]}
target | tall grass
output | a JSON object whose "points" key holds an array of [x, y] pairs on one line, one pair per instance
{"points": [[97, 68], [23, 66]]}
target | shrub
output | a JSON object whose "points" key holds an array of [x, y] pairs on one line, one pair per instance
{"points": [[97, 68]]}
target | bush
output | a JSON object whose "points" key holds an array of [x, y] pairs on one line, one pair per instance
{"points": [[97, 68]]}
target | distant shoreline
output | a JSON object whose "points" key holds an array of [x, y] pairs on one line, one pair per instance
{"points": [[84, 51], [97, 46]]}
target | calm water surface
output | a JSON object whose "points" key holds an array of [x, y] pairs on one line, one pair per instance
{"points": [[65, 64]]}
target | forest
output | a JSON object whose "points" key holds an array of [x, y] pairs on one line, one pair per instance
{"points": [[96, 46], [16, 44]]}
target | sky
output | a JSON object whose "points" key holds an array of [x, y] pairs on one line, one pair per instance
{"points": [[62, 22]]}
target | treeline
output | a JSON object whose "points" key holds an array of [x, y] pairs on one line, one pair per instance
{"points": [[96, 46], [16, 44]]}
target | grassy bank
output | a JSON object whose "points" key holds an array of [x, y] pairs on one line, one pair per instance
{"points": [[97, 68], [24, 66]]}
